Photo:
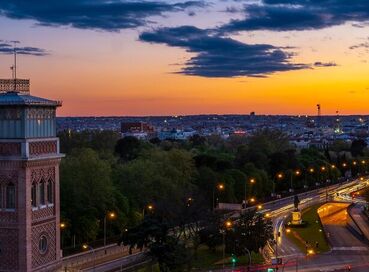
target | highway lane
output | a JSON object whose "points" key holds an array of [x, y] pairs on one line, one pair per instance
{"points": [[334, 220], [278, 212]]}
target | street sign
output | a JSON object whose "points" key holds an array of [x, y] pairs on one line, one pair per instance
{"points": [[277, 261]]}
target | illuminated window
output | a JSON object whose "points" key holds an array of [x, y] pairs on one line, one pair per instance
{"points": [[10, 196]]}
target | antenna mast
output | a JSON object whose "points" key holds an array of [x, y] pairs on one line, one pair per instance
{"points": [[15, 67]]}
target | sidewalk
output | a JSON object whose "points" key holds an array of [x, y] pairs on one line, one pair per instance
{"points": [[360, 220], [92, 258]]}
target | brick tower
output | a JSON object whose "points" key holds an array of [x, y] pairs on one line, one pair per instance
{"points": [[29, 180]]}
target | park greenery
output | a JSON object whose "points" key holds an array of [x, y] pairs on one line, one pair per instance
{"points": [[163, 192]]}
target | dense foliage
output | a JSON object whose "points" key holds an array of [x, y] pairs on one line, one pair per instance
{"points": [[103, 173]]}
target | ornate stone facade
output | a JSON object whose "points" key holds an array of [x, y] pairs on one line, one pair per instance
{"points": [[46, 231], [9, 257], [42, 148], [41, 113], [10, 149]]}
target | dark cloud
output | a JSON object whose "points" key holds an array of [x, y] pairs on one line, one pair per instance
{"points": [[325, 64], [107, 15], [286, 15], [8, 48], [217, 56], [360, 45]]}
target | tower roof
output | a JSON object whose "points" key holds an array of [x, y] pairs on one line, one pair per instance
{"points": [[16, 92], [21, 99]]}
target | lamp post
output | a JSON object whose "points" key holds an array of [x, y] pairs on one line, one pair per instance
{"points": [[297, 173], [88, 247], [249, 253], [227, 225], [111, 215], [62, 227], [278, 176], [149, 207], [219, 187], [252, 181]]}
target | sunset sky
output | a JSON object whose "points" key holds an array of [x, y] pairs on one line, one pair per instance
{"points": [[160, 57]]}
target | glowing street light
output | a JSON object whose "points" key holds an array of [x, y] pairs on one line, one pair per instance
{"points": [[280, 175], [252, 200], [63, 225], [297, 172], [88, 247], [333, 166], [354, 162], [252, 181], [344, 164], [363, 162], [228, 224], [322, 168], [219, 187], [260, 207], [111, 216]]}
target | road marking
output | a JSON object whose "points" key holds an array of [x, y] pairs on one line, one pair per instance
{"points": [[358, 248]]}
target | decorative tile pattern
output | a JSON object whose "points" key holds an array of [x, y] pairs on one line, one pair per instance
{"points": [[40, 113], [10, 149], [9, 250], [42, 148], [49, 231], [44, 174]]}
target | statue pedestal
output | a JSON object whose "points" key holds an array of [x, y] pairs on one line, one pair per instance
{"points": [[296, 218]]}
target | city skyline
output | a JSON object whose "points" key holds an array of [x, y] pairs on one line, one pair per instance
{"points": [[138, 58]]}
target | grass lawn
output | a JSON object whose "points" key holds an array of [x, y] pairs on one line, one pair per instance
{"points": [[207, 259], [312, 233]]}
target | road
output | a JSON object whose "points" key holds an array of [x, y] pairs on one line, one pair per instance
{"points": [[348, 250]]}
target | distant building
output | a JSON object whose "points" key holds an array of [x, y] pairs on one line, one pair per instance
{"points": [[176, 134], [139, 130]]}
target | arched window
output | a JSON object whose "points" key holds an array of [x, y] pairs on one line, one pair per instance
{"points": [[50, 192], [34, 195], [10, 196], [42, 192]]}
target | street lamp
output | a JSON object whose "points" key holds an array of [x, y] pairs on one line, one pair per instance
{"points": [[227, 225], [278, 176], [111, 216], [149, 207], [252, 181], [219, 187], [62, 227], [297, 173], [88, 247]]}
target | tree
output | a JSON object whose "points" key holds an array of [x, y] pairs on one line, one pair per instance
{"points": [[251, 230], [128, 148], [156, 175], [87, 193], [153, 233], [357, 147]]}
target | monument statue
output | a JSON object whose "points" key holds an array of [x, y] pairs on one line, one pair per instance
{"points": [[296, 202], [296, 214]]}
